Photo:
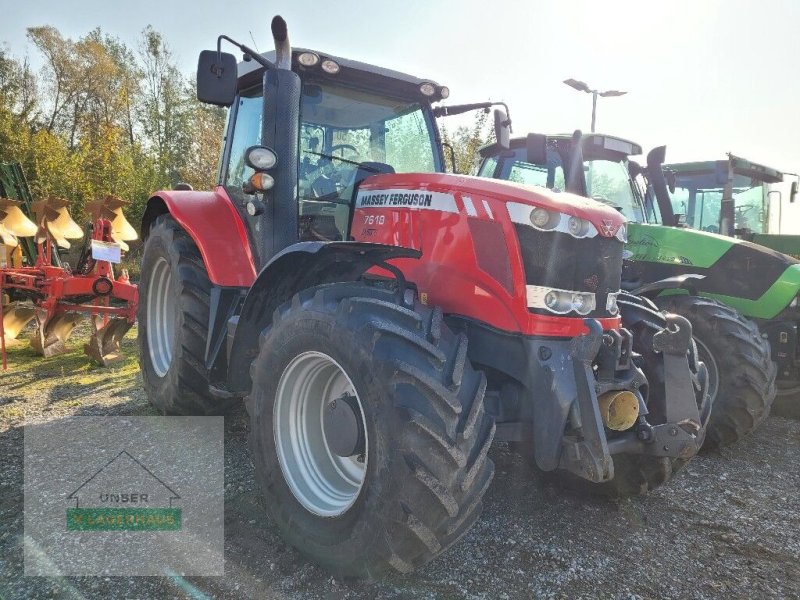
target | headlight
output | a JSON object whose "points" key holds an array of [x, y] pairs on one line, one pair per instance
{"points": [[260, 158], [611, 303], [308, 59], [550, 220], [330, 67], [444, 92], [560, 302], [542, 218], [622, 233], [578, 227], [427, 89]]}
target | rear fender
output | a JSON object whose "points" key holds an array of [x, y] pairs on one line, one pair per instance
{"points": [[211, 220], [298, 267]]}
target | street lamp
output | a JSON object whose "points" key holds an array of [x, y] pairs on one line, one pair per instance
{"points": [[583, 87]]}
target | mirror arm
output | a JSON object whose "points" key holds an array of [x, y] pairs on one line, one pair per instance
{"points": [[458, 109], [247, 51]]}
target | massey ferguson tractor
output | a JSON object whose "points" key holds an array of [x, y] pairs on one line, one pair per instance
{"points": [[731, 291], [384, 322]]}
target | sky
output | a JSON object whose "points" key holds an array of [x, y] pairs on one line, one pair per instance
{"points": [[704, 77]]}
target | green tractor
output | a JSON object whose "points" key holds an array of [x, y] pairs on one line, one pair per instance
{"points": [[740, 297], [734, 197]]}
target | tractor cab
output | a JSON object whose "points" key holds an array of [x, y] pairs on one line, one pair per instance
{"points": [[601, 172], [355, 120], [731, 196]]}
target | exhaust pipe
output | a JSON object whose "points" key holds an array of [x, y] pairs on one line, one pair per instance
{"points": [[283, 49], [619, 409]]}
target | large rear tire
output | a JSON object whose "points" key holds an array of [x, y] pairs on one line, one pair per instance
{"points": [[415, 480], [738, 358], [787, 401], [173, 323]]}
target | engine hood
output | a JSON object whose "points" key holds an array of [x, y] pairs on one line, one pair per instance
{"points": [[757, 281], [606, 220]]}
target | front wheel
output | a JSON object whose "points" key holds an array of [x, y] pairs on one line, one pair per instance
{"points": [[368, 432], [173, 323], [740, 368]]}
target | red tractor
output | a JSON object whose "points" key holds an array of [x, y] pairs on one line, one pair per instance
{"points": [[384, 321]]}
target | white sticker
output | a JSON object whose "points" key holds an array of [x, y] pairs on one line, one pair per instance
{"points": [[414, 199], [107, 251]]}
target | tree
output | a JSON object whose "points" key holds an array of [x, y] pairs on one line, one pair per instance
{"points": [[465, 142]]}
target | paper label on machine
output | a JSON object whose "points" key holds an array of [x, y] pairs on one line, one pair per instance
{"points": [[107, 251]]}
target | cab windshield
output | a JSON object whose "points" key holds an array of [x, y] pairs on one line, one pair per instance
{"points": [[702, 207], [342, 128], [606, 180]]}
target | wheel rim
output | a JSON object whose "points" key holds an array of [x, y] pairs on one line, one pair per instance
{"points": [[711, 365], [161, 317], [324, 483]]}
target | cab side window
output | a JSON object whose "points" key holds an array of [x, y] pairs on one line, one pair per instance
{"points": [[246, 132]]}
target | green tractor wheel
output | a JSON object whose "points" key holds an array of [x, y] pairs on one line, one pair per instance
{"points": [[787, 402], [740, 368]]}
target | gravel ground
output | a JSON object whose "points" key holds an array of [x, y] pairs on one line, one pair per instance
{"points": [[727, 527]]}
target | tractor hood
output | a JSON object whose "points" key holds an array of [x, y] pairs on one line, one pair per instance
{"points": [[605, 219], [757, 281]]}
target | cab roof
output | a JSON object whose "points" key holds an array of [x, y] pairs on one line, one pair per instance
{"points": [[595, 145], [352, 72], [713, 174]]}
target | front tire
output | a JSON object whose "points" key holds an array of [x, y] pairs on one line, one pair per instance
{"points": [[741, 371], [173, 323], [415, 483]]}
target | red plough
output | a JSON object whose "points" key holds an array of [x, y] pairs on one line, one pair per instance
{"points": [[59, 297]]}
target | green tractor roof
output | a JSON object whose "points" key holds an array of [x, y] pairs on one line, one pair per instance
{"points": [[713, 174]]}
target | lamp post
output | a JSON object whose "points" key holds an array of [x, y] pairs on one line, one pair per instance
{"points": [[583, 87]]}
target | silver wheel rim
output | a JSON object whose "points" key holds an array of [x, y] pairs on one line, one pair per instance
{"points": [[711, 366], [161, 317], [324, 483]]}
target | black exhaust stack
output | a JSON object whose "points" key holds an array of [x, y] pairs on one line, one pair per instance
{"points": [[282, 87], [655, 174]]}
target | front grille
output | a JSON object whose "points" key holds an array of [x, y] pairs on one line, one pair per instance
{"points": [[558, 260]]}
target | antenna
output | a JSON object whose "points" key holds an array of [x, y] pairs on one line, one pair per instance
{"points": [[254, 41]]}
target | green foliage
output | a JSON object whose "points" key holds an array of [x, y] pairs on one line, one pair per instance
{"points": [[466, 141], [102, 118]]}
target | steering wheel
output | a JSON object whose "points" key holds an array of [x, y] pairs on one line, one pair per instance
{"points": [[350, 147]]}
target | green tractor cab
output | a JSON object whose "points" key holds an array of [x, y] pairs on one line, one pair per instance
{"points": [[733, 291]]}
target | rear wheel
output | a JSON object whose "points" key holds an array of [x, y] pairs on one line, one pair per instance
{"points": [[368, 432], [787, 401], [173, 323], [740, 367]]}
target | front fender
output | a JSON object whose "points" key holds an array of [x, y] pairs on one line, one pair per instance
{"points": [[686, 282], [296, 268], [211, 220]]}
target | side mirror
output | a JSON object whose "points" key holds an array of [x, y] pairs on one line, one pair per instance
{"points": [[216, 78], [671, 179], [634, 169], [502, 128], [793, 192], [536, 145]]}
